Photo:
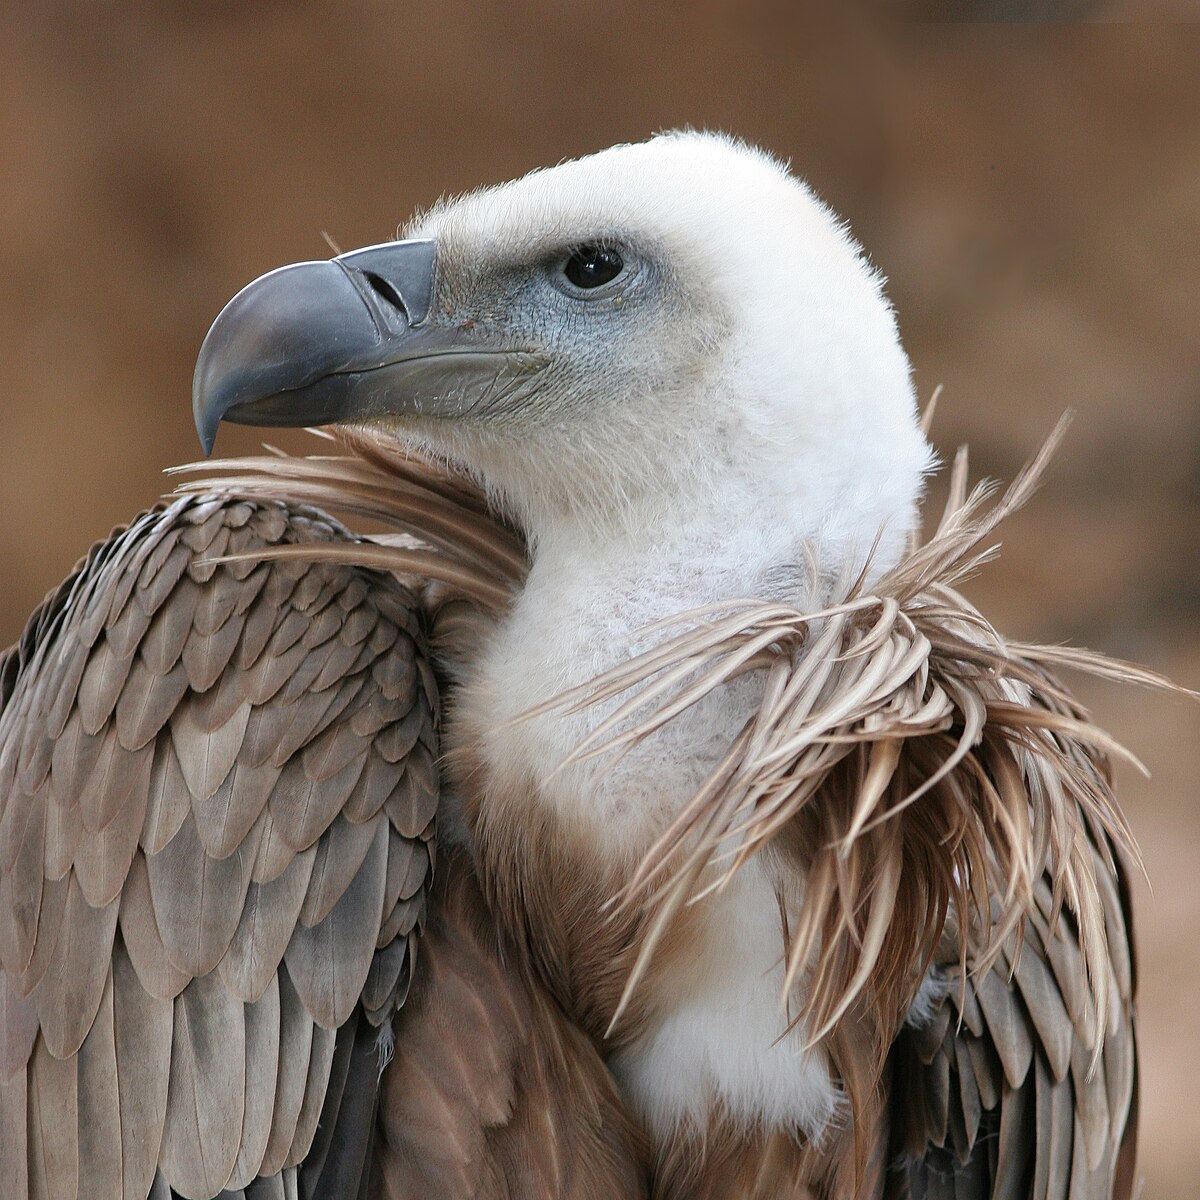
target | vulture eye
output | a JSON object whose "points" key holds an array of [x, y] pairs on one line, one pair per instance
{"points": [[593, 266]]}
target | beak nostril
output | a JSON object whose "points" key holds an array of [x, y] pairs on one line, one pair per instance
{"points": [[386, 292]]}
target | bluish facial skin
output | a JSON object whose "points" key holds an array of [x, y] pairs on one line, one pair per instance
{"points": [[602, 343]]}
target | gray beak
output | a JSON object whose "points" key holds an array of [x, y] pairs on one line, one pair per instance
{"points": [[346, 340]]}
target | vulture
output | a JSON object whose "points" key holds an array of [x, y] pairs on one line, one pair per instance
{"points": [[581, 777]]}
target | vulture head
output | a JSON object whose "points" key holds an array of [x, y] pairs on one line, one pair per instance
{"points": [[671, 331]]}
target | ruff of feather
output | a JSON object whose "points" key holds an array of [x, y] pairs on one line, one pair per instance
{"points": [[925, 771], [442, 528]]}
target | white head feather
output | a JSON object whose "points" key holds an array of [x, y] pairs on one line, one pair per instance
{"points": [[751, 367]]}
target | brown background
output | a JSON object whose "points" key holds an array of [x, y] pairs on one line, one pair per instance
{"points": [[1032, 190]]}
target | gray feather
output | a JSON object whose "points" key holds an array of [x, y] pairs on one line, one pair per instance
{"points": [[262, 1070], [143, 1027], [265, 928], [329, 962], [206, 1095]]}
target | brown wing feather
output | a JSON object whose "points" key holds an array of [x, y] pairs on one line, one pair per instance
{"points": [[199, 764], [997, 1097], [492, 1094]]}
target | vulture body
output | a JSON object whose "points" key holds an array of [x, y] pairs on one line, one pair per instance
{"points": [[645, 814]]}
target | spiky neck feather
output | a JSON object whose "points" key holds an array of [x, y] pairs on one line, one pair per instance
{"points": [[917, 689]]}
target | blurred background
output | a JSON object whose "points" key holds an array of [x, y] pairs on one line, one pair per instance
{"points": [[1029, 184]]}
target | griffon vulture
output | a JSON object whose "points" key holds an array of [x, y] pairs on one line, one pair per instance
{"points": [[643, 813]]}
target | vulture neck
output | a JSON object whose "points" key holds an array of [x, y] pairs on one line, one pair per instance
{"points": [[709, 1034], [591, 593], [585, 608]]}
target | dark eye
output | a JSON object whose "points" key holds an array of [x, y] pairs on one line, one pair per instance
{"points": [[593, 266]]}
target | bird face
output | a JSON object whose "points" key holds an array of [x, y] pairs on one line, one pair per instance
{"points": [[619, 336]]}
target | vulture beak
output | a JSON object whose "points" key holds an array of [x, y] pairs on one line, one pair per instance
{"points": [[347, 339]]}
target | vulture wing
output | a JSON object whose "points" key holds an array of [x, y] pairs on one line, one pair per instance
{"points": [[218, 787], [1011, 1092]]}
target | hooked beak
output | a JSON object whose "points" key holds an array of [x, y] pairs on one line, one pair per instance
{"points": [[347, 339]]}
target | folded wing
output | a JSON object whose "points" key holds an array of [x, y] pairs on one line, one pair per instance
{"points": [[1014, 1091], [217, 797]]}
